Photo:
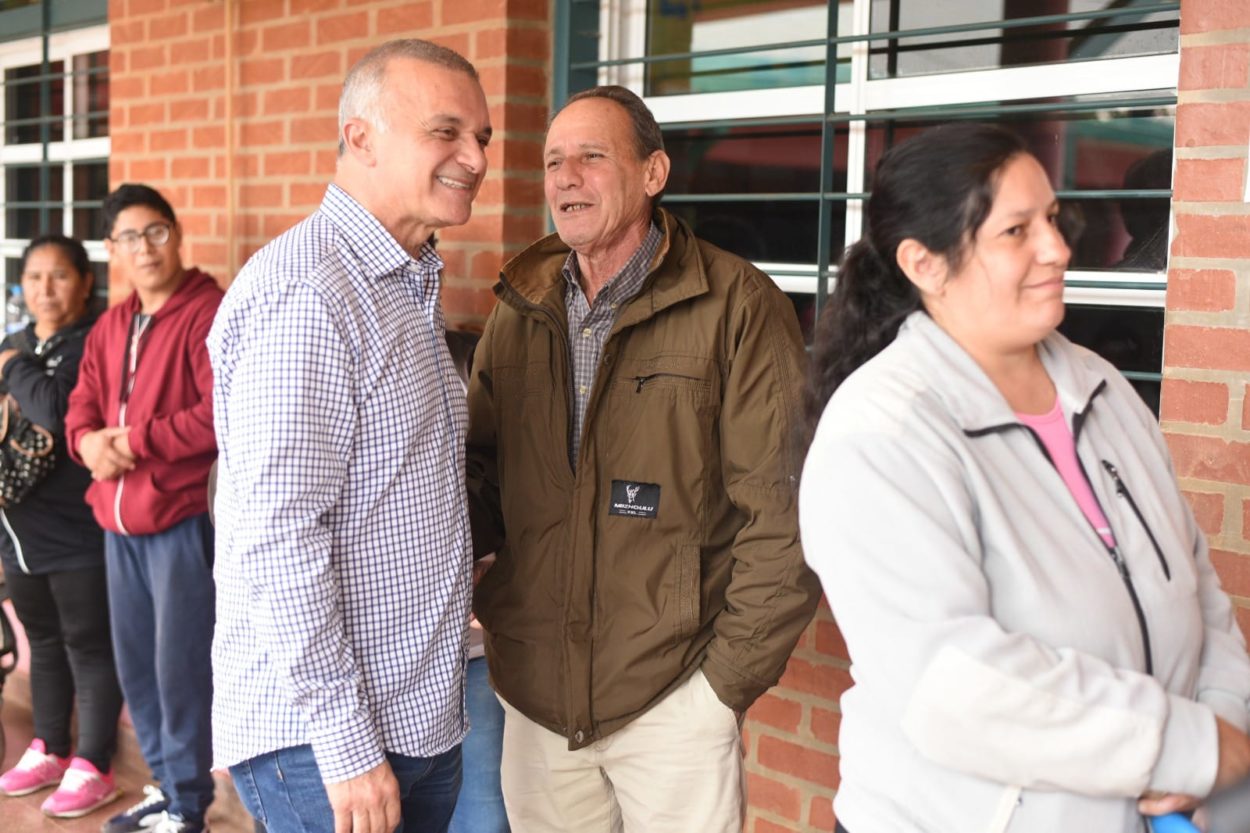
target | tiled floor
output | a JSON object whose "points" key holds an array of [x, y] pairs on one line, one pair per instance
{"points": [[21, 815]]}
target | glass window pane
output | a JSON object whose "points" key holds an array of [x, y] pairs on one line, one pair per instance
{"points": [[91, 95], [100, 289], [1131, 338], [22, 197], [805, 309], [681, 26], [776, 231], [23, 104], [1098, 232], [91, 186], [1113, 35], [12, 271], [750, 160], [1109, 149], [1091, 150]]}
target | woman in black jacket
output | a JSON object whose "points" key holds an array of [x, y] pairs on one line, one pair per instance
{"points": [[53, 551]]}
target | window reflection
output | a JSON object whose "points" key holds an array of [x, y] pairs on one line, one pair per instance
{"points": [[751, 160], [22, 185], [1113, 35], [1131, 338], [779, 231], [1102, 150], [91, 186], [23, 113], [91, 95], [681, 26]]}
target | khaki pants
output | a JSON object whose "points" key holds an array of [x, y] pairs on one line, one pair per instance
{"points": [[676, 768]]}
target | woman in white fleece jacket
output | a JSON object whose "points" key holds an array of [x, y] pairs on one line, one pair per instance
{"points": [[1037, 637]]}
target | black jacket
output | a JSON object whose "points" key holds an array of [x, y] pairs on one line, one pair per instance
{"points": [[51, 530]]}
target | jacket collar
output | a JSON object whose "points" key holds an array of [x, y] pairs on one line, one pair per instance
{"points": [[193, 283], [533, 278], [967, 392]]}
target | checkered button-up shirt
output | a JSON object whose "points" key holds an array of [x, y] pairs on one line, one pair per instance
{"points": [[343, 558], [590, 325]]}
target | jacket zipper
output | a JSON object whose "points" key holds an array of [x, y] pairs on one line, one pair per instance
{"points": [[1078, 420], [642, 380], [121, 479], [130, 366], [1122, 491], [1117, 558], [17, 545]]}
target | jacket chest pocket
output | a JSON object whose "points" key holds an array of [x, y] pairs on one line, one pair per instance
{"points": [[666, 405], [693, 379]]}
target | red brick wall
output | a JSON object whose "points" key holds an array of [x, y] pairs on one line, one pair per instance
{"points": [[792, 734], [193, 80], [1206, 385]]}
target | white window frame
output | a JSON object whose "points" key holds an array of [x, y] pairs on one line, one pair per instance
{"points": [[62, 46]]}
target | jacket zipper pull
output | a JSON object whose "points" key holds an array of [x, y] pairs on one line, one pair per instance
{"points": [[1120, 563], [641, 380]]}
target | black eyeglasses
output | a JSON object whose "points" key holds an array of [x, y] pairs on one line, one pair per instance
{"points": [[157, 234]]}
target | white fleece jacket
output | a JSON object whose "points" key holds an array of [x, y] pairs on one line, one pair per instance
{"points": [[1009, 675]]}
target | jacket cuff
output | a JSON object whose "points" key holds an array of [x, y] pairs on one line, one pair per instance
{"points": [[138, 438], [732, 688], [1227, 706], [1188, 751], [73, 436]]}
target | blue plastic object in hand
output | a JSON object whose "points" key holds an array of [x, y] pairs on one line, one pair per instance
{"points": [[1172, 823]]}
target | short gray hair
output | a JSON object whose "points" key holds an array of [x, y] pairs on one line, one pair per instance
{"points": [[362, 89]]}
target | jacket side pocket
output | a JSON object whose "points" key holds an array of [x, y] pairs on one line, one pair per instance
{"points": [[689, 573]]}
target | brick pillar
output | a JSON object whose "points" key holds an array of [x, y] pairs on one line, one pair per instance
{"points": [[792, 734], [1206, 396], [190, 81]]}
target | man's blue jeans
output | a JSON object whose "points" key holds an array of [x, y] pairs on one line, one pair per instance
{"points": [[480, 808], [284, 791]]}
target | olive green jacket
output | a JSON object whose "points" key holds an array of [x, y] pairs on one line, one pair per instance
{"points": [[675, 543]]}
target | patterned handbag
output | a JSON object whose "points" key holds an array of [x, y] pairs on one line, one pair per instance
{"points": [[26, 453]]}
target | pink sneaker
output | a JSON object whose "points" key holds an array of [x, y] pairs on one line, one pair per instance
{"points": [[36, 770], [83, 789]]}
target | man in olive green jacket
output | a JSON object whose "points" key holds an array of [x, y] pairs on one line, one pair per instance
{"points": [[633, 457]]}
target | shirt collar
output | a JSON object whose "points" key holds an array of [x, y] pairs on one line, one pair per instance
{"points": [[625, 283], [378, 251]]}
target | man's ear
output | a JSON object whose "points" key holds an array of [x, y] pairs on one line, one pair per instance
{"points": [[926, 269], [658, 166], [357, 138]]}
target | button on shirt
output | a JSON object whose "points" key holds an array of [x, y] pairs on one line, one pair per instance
{"points": [[589, 325], [343, 558]]}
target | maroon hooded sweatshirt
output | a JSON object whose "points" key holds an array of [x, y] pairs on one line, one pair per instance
{"points": [[168, 405]]}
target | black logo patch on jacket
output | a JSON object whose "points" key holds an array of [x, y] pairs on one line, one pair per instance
{"points": [[634, 500]]}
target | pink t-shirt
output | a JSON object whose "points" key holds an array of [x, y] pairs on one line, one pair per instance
{"points": [[1054, 433]]}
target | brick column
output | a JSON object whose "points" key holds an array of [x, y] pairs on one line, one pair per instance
{"points": [[1206, 396], [189, 85], [792, 734]]}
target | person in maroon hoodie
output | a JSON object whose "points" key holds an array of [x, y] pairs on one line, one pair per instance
{"points": [[140, 419]]}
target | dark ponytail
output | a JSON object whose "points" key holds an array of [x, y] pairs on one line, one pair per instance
{"points": [[936, 188]]}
